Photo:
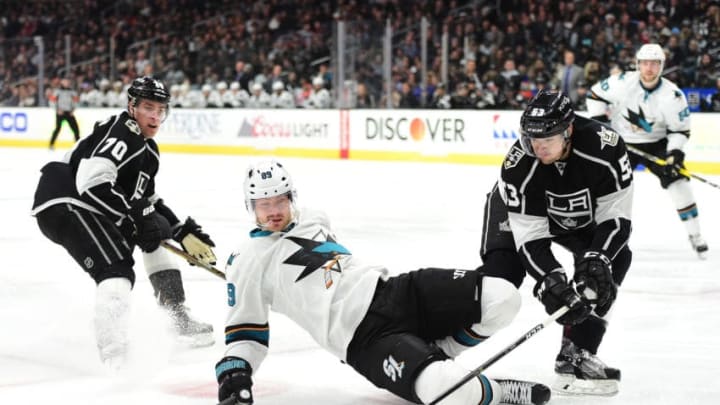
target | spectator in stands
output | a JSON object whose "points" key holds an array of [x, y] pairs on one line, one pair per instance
{"points": [[568, 75], [363, 98]]}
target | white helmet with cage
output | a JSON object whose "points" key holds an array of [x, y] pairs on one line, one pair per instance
{"points": [[267, 179], [651, 52]]}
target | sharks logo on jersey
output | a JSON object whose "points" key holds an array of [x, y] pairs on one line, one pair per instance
{"points": [[638, 121], [570, 211], [314, 255]]}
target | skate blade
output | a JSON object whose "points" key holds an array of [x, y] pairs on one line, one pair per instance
{"points": [[568, 384], [196, 341]]}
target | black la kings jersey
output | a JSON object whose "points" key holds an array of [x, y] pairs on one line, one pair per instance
{"points": [[104, 172], [590, 193]]}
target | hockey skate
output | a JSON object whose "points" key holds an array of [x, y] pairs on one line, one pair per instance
{"points": [[113, 356], [580, 372], [699, 245], [523, 392], [190, 332]]}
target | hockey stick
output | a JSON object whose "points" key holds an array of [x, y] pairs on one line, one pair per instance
{"points": [[662, 162], [532, 332], [192, 260]]}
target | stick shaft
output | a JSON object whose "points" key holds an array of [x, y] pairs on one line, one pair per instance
{"points": [[191, 259], [476, 372], [662, 162]]}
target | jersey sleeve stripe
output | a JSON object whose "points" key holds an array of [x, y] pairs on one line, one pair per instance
{"points": [[253, 332]]}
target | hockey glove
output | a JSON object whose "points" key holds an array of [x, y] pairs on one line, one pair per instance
{"points": [[594, 279], [150, 227], [555, 292], [235, 378], [673, 163], [194, 241]]}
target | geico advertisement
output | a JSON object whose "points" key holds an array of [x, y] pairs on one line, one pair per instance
{"points": [[26, 123], [446, 131], [277, 128]]}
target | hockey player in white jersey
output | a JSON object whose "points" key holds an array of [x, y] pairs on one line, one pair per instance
{"points": [[399, 332], [319, 96], [281, 98], [651, 114]]}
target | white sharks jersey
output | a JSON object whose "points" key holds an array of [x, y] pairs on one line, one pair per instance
{"points": [[639, 115], [304, 273]]}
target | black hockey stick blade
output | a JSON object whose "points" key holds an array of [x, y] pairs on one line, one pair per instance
{"points": [[662, 162], [169, 246], [476, 372]]}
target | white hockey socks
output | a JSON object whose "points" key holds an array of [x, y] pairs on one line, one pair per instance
{"points": [[438, 376], [499, 303], [112, 299]]}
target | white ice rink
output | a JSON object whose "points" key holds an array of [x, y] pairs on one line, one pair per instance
{"points": [[664, 336]]}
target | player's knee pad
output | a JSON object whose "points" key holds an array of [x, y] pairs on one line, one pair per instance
{"points": [[503, 263], [438, 376], [394, 363], [158, 260], [500, 302]]}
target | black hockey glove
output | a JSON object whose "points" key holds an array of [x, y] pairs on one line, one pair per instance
{"points": [[194, 241], [555, 292], [235, 378], [593, 276], [673, 163], [151, 228]]}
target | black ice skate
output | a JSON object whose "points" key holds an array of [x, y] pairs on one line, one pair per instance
{"points": [[580, 372], [699, 246], [523, 392], [190, 331]]}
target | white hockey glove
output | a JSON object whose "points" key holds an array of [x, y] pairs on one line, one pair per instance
{"points": [[195, 242]]}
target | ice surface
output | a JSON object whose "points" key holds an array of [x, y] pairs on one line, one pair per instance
{"points": [[664, 335]]}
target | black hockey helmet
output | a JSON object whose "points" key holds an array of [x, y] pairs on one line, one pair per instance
{"points": [[148, 88], [549, 113]]}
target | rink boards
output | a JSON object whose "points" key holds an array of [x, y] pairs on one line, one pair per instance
{"points": [[454, 136]]}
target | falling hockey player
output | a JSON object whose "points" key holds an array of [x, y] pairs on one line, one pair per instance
{"points": [[99, 201], [400, 332], [651, 114], [567, 181]]}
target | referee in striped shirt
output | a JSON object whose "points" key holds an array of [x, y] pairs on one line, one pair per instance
{"points": [[65, 99]]}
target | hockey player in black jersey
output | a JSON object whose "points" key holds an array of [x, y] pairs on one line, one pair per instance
{"points": [[99, 201], [568, 180]]}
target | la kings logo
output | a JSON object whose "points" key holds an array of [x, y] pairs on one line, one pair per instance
{"points": [[607, 137], [513, 157], [570, 211]]}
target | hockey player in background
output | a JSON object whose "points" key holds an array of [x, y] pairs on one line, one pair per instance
{"points": [[566, 181], [399, 332], [99, 201], [651, 114]]}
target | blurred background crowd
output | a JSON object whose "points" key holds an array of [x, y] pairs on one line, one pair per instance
{"points": [[280, 53]]}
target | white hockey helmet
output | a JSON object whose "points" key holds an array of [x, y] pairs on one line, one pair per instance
{"points": [[318, 81], [651, 52], [264, 180], [277, 85], [221, 85]]}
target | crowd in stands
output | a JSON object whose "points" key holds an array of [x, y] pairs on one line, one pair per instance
{"points": [[278, 53]]}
